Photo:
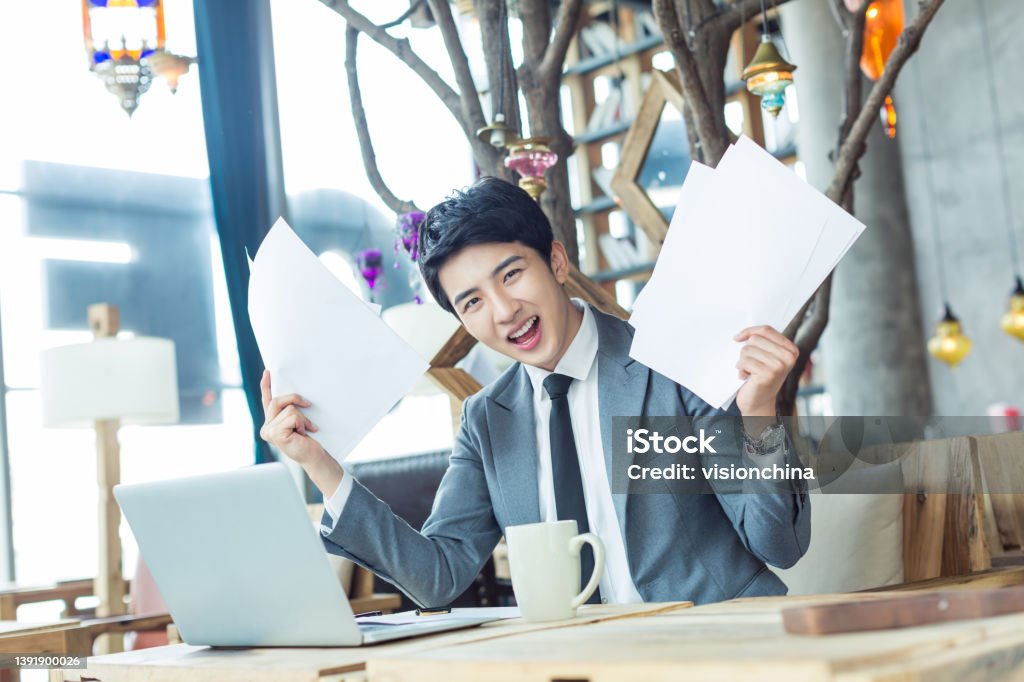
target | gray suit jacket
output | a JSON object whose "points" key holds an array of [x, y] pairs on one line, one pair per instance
{"points": [[703, 548]]}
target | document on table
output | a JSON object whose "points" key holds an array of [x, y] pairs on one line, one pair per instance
{"points": [[320, 340], [749, 243], [455, 615]]}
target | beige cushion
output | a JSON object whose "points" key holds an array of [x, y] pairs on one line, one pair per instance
{"points": [[856, 538]]}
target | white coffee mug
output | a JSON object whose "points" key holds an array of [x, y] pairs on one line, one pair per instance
{"points": [[544, 559]]}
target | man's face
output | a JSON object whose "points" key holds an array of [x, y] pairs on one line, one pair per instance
{"points": [[510, 300]]}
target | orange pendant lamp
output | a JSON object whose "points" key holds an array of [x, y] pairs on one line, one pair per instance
{"points": [[883, 24]]}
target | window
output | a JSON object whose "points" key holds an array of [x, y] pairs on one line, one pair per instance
{"points": [[97, 206]]}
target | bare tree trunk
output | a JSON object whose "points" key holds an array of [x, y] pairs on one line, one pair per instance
{"points": [[699, 40], [540, 77], [545, 43]]}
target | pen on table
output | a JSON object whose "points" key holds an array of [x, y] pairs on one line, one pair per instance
{"points": [[369, 614], [433, 612]]}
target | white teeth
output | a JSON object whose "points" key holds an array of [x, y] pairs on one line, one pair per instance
{"points": [[525, 328]]}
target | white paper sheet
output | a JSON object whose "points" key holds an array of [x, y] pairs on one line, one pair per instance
{"points": [[748, 244], [456, 615], [320, 340]]}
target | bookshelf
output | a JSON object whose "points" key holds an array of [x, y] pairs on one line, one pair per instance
{"points": [[611, 65]]}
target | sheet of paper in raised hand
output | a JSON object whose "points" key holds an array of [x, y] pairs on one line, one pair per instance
{"points": [[320, 340], [748, 244]]}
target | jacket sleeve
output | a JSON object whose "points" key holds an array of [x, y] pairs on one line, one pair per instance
{"points": [[437, 564], [772, 518]]}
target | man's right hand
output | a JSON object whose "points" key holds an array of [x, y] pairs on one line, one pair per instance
{"points": [[286, 427]]}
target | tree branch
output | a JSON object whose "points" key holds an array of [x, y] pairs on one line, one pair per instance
{"points": [[363, 132], [805, 335], [536, 18], [498, 57], [731, 17], [852, 147], [405, 53], [696, 97], [472, 112], [565, 28]]}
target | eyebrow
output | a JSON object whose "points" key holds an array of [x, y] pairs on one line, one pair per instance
{"points": [[501, 266]]}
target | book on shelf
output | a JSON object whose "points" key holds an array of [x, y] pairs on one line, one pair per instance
{"points": [[646, 25], [599, 38], [620, 253], [602, 176]]}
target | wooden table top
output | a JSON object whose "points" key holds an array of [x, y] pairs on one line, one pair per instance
{"points": [[739, 640], [197, 663], [16, 627]]}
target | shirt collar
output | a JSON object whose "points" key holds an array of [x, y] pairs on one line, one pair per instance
{"points": [[578, 360]]}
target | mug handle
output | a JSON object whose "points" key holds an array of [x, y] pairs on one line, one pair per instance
{"points": [[575, 545]]}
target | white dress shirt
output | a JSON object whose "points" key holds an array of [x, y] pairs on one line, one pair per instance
{"points": [[580, 363]]}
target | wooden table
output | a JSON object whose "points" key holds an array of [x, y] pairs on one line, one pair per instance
{"points": [[53, 637], [738, 640], [201, 664]]}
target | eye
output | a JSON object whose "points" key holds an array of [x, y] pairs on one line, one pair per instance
{"points": [[512, 273], [470, 303]]}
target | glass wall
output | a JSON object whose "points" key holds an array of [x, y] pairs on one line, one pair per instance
{"points": [[96, 206]]}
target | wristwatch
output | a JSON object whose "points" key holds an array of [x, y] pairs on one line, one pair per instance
{"points": [[770, 440]]}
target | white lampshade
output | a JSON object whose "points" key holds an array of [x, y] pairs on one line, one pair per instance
{"points": [[424, 326], [427, 327], [134, 380]]}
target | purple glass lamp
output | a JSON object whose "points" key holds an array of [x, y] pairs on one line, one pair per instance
{"points": [[531, 157], [371, 264], [409, 233]]}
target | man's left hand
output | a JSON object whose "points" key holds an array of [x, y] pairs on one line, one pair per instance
{"points": [[765, 361]]}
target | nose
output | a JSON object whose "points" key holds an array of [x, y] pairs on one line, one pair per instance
{"points": [[504, 307]]}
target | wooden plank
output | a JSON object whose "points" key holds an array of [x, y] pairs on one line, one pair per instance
{"points": [[454, 381], [9, 627], [992, 578], [965, 545], [580, 286], [1001, 457], [943, 518], [183, 662], [902, 611], [73, 640], [635, 147], [995, 658], [454, 349], [689, 646]]}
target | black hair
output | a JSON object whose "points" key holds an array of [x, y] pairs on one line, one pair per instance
{"points": [[489, 211]]}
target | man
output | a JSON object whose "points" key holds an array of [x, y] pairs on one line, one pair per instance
{"points": [[535, 444]]}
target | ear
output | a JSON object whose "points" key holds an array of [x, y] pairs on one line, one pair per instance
{"points": [[559, 262]]}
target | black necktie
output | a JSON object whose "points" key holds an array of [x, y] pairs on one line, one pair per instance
{"points": [[565, 470]]}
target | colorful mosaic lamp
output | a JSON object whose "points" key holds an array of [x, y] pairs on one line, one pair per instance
{"points": [[124, 40], [768, 74]]}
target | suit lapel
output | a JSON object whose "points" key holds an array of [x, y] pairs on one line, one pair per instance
{"points": [[513, 443], [621, 387]]}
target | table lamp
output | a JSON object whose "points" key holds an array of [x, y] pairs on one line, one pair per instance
{"points": [[105, 383]]}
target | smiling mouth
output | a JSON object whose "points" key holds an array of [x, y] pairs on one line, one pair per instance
{"points": [[528, 335]]}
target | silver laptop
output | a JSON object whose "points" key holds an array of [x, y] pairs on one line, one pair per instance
{"points": [[238, 563]]}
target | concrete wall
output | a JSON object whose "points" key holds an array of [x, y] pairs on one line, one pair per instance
{"points": [[946, 86], [872, 358]]}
